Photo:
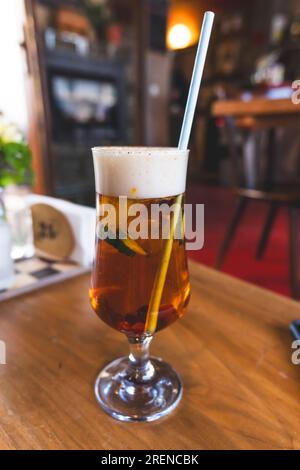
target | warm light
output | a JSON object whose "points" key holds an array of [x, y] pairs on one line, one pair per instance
{"points": [[183, 23], [179, 36]]}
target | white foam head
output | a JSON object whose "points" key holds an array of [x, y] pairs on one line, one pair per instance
{"points": [[140, 172]]}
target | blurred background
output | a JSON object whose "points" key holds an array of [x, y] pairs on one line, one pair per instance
{"points": [[80, 73]]}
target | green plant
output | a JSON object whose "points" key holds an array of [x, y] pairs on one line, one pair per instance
{"points": [[15, 156]]}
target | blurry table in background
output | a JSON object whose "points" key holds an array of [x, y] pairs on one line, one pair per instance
{"points": [[255, 114], [256, 172], [233, 351], [257, 109]]}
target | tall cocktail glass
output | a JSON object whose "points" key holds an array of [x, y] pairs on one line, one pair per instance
{"points": [[140, 282]]}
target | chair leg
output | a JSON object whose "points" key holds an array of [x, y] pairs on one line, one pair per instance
{"points": [[230, 232], [272, 213], [293, 249]]}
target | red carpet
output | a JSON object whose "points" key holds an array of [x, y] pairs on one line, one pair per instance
{"points": [[272, 271]]}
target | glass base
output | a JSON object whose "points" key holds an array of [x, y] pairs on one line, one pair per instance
{"points": [[128, 397]]}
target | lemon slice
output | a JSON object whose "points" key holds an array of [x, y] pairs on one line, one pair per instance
{"points": [[127, 246], [134, 246]]}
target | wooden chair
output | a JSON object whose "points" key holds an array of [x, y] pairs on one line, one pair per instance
{"points": [[255, 182]]}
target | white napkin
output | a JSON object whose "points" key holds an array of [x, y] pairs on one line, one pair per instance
{"points": [[82, 220]]}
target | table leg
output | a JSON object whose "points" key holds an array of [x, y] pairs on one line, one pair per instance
{"points": [[272, 213], [270, 163], [250, 159]]}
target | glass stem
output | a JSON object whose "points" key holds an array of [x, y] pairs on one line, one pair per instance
{"points": [[140, 368]]}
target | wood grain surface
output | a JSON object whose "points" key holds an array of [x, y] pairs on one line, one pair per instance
{"points": [[255, 107], [233, 351]]}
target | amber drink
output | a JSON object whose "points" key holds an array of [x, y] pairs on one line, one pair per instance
{"points": [[126, 266]]}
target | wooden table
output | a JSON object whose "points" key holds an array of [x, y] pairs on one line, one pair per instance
{"points": [[233, 351], [259, 172], [255, 107], [258, 113]]}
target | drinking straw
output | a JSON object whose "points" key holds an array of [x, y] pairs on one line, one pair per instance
{"points": [[160, 278], [196, 80]]}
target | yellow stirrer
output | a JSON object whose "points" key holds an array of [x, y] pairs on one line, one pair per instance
{"points": [[160, 277]]}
